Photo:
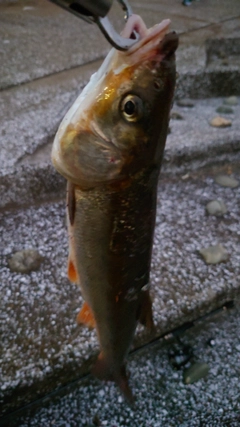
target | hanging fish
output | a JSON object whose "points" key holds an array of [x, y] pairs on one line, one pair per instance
{"points": [[109, 147]]}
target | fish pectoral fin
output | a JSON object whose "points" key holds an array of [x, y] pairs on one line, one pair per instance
{"points": [[86, 317], [72, 273], [104, 371], [144, 313]]}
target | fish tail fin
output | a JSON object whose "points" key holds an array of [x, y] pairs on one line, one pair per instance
{"points": [[102, 370], [144, 313], [121, 380]]}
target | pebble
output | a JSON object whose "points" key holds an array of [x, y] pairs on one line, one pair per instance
{"points": [[185, 102], [216, 207], [220, 122], [214, 254], [25, 261], [195, 372], [176, 116], [231, 100], [224, 109], [225, 61], [226, 181], [211, 342]]}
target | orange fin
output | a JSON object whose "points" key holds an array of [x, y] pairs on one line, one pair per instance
{"points": [[103, 371], [72, 274], [144, 314], [85, 316]]}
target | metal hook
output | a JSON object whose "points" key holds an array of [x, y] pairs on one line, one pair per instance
{"points": [[109, 32], [95, 12]]}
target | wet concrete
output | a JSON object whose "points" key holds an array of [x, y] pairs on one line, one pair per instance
{"points": [[38, 38]]}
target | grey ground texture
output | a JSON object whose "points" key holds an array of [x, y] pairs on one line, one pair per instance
{"points": [[162, 398], [47, 56]]}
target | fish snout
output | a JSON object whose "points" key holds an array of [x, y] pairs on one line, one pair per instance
{"points": [[169, 44]]}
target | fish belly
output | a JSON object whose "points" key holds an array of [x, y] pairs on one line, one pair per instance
{"points": [[112, 238]]}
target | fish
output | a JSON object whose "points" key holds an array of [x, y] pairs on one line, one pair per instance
{"points": [[109, 147]]}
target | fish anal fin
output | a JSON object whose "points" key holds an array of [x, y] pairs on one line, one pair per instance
{"points": [[104, 371], [72, 273], [144, 313], [86, 317]]}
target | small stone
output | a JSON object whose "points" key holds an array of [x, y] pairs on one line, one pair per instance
{"points": [[220, 122], [231, 100], [214, 254], [216, 207], [224, 109], [211, 342], [195, 372], [226, 181], [225, 61], [185, 102], [25, 261], [176, 116]]}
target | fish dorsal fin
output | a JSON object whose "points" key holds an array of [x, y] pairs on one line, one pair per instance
{"points": [[71, 202]]}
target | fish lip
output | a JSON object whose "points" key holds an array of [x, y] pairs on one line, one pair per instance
{"points": [[148, 47]]}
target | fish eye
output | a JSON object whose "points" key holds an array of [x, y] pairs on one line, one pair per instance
{"points": [[131, 108]]}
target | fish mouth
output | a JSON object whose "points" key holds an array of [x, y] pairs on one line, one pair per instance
{"points": [[150, 43]]}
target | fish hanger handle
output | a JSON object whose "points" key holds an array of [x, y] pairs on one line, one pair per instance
{"points": [[95, 11]]}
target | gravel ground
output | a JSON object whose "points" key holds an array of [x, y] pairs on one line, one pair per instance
{"points": [[162, 398], [42, 347]]}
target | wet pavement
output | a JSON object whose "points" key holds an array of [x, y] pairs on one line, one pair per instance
{"points": [[48, 56]]}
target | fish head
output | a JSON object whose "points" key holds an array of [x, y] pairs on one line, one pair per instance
{"points": [[118, 125]]}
